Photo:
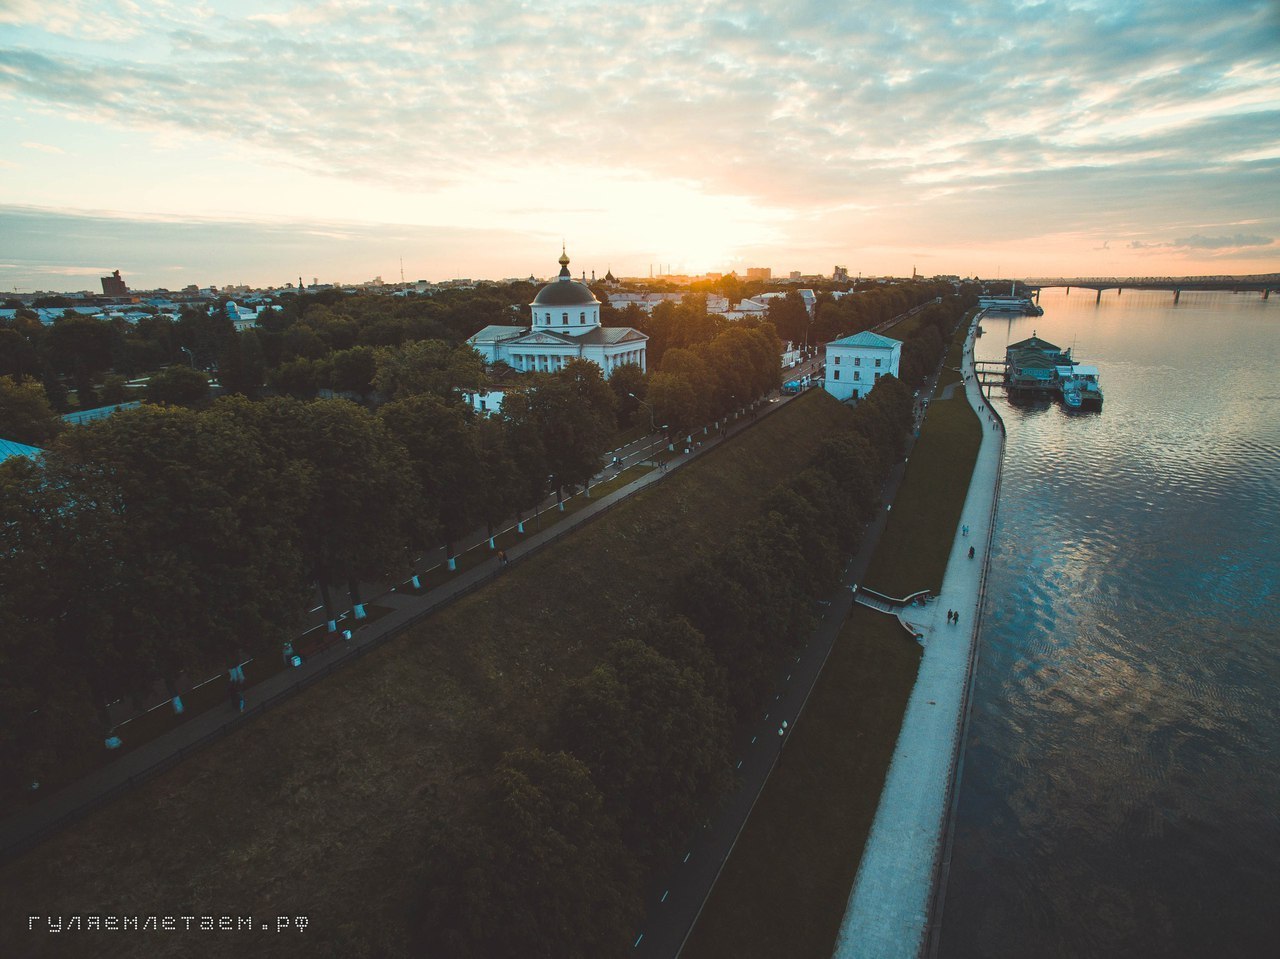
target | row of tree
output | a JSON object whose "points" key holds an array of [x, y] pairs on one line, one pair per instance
{"points": [[550, 861], [165, 540]]}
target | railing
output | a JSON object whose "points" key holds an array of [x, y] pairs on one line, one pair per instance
{"points": [[931, 940]]}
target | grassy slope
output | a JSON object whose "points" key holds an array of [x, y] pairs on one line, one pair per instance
{"points": [[913, 552], [320, 808], [784, 890]]}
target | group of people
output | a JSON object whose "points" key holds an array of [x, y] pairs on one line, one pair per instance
{"points": [[953, 616]]}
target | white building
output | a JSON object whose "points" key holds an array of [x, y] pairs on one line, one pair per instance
{"points": [[565, 326], [854, 363]]}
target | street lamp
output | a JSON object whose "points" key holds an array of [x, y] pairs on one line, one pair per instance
{"points": [[190, 356], [782, 739], [652, 423]]}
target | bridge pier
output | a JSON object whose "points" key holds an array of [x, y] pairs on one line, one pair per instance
{"points": [[1099, 299], [1177, 295], [1266, 293]]}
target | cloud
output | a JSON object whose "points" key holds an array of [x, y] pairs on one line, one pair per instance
{"points": [[1199, 242], [43, 147], [1125, 118]]}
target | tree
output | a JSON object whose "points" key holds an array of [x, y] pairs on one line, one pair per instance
{"points": [[25, 414], [428, 366], [295, 378], [242, 367], [46, 710], [439, 439], [629, 385], [655, 739], [178, 385], [82, 347], [574, 409], [539, 870], [361, 489], [353, 370]]}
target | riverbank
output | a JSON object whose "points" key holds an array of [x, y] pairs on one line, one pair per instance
{"points": [[889, 907]]}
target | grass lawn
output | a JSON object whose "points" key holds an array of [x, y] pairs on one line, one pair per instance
{"points": [[322, 807], [784, 890], [951, 365], [913, 551]]}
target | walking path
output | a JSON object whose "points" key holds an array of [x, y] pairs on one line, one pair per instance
{"points": [[26, 828], [675, 904], [889, 906]]}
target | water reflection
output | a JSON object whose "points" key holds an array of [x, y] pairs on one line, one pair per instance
{"points": [[1124, 751]]}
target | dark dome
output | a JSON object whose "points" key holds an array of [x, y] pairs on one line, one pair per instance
{"points": [[565, 293], [564, 290]]}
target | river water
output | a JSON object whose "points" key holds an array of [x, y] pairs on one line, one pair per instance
{"points": [[1121, 782]]}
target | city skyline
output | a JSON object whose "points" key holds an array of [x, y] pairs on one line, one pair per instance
{"points": [[238, 142]]}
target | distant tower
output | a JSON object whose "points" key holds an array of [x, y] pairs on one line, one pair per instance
{"points": [[114, 285]]}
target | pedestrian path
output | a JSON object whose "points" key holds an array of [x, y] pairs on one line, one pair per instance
{"points": [[24, 829], [889, 905]]}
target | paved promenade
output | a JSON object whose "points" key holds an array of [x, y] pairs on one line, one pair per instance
{"points": [[889, 906]]}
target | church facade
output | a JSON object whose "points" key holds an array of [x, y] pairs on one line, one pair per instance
{"points": [[564, 325]]}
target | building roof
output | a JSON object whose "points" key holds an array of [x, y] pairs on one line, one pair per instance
{"points": [[609, 335], [564, 290], [867, 339], [10, 448], [496, 334], [1034, 343]]}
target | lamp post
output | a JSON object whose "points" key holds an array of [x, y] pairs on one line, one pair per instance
{"points": [[653, 425], [190, 356]]}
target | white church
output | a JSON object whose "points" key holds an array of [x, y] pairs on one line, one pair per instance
{"points": [[565, 325]]}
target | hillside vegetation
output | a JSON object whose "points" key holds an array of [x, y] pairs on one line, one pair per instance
{"points": [[335, 805]]}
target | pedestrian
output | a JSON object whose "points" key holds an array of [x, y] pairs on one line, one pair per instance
{"points": [[948, 616], [502, 557], [957, 616], [971, 552]]}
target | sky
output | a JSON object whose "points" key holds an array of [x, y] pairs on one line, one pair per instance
{"points": [[256, 142]]}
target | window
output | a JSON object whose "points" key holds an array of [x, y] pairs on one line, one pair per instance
{"points": [[877, 376], [582, 317], [857, 375], [837, 361], [857, 361], [836, 375], [564, 319], [877, 364]]}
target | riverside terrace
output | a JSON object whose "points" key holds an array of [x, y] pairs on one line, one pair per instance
{"points": [[894, 893]]}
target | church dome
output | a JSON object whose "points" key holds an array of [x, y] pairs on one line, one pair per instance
{"points": [[564, 290]]}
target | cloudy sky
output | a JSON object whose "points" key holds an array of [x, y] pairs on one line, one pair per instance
{"points": [[256, 141]]}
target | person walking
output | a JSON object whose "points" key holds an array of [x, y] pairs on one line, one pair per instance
{"points": [[502, 557], [948, 616], [971, 552]]}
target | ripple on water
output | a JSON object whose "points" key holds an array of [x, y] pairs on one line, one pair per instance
{"points": [[1123, 761]]}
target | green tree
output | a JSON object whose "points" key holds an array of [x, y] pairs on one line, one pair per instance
{"points": [[361, 490], [25, 414], [295, 378], [242, 368], [428, 366], [655, 739], [440, 441], [178, 385], [574, 408], [539, 871]]}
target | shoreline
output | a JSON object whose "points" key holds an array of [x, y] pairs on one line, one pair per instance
{"points": [[892, 904]]}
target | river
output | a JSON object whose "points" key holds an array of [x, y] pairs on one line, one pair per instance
{"points": [[1121, 781]]}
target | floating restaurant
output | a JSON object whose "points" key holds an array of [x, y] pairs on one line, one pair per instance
{"points": [[1037, 367]]}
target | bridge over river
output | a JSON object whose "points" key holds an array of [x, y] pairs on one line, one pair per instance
{"points": [[1264, 284]]}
